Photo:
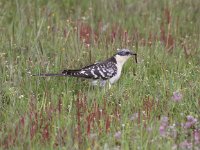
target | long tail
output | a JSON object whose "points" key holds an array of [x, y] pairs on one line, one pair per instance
{"points": [[50, 75], [74, 73]]}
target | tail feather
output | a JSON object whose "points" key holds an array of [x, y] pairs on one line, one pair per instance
{"points": [[49, 75], [70, 72], [63, 73], [73, 73]]}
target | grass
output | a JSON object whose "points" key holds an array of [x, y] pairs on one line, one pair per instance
{"points": [[154, 105]]}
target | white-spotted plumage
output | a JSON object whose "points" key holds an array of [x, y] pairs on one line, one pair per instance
{"points": [[102, 71]]}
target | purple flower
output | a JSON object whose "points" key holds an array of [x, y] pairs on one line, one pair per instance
{"points": [[185, 145], [188, 125], [190, 121], [197, 136], [118, 135], [177, 96], [163, 126], [162, 130]]}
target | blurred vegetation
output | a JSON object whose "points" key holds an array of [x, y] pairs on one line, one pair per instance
{"points": [[67, 113]]}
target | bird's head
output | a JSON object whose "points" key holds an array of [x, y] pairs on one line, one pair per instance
{"points": [[124, 54]]}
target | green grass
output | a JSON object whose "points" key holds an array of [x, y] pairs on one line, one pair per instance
{"points": [[67, 113]]}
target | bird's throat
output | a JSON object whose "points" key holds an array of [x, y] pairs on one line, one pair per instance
{"points": [[121, 59]]}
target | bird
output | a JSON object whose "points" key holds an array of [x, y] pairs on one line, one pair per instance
{"points": [[100, 72]]}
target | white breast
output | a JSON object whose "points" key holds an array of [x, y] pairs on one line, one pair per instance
{"points": [[120, 62], [117, 76]]}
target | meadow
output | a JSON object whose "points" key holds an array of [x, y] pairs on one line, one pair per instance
{"points": [[154, 105]]}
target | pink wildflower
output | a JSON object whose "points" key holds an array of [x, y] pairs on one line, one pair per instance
{"points": [[177, 96], [118, 135], [190, 121]]}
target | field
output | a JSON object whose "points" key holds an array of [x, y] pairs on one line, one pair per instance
{"points": [[154, 105]]}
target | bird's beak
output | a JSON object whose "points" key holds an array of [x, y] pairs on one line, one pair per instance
{"points": [[134, 54]]}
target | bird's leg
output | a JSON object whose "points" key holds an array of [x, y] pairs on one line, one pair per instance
{"points": [[109, 85], [102, 83], [94, 82]]}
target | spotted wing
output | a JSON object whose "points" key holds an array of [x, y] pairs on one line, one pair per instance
{"points": [[104, 70]]}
